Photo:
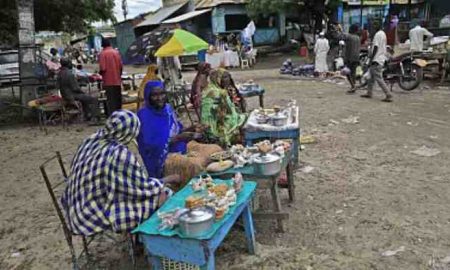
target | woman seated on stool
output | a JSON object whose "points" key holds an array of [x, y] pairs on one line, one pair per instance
{"points": [[163, 143], [219, 113], [107, 188]]}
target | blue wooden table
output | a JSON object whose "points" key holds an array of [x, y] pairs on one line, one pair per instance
{"points": [[253, 91], [200, 252], [268, 182]]}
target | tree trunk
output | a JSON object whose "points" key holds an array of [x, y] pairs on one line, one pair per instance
{"points": [[27, 50]]}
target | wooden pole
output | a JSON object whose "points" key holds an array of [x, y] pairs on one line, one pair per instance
{"points": [[27, 50], [361, 5]]}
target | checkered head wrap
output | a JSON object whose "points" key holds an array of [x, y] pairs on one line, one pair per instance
{"points": [[122, 126]]}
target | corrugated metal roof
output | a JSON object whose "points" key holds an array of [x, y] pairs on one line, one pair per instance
{"points": [[187, 16], [161, 14], [213, 3]]}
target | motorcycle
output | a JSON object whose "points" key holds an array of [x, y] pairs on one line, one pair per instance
{"points": [[405, 69]]}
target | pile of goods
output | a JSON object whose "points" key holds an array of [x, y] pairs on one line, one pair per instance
{"points": [[239, 156], [277, 116], [287, 68], [249, 87], [209, 203]]}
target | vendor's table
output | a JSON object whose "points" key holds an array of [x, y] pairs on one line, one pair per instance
{"points": [[268, 182], [198, 251], [257, 91], [227, 59]]}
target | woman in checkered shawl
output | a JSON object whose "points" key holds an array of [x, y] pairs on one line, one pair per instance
{"points": [[107, 188]]}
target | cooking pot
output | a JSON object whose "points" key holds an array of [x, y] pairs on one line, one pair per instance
{"points": [[269, 164], [197, 221], [262, 119], [279, 120]]}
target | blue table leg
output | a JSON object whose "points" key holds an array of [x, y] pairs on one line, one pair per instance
{"points": [[249, 229], [248, 142], [210, 265], [295, 147], [156, 262]]}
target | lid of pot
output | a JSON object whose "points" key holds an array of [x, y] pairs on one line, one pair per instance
{"points": [[197, 215], [267, 158]]}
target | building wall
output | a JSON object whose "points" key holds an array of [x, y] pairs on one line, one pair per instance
{"points": [[218, 16], [125, 36]]}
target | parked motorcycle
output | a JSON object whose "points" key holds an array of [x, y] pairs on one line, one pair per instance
{"points": [[405, 69]]}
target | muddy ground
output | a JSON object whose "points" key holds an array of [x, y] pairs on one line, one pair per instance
{"points": [[367, 192]]}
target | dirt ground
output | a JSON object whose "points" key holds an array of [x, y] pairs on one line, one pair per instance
{"points": [[360, 190]]}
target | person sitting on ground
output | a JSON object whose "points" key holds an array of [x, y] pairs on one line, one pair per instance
{"points": [[219, 113], [199, 84], [107, 188], [352, 50], [162, 133], [226, 82], [71, 91]]}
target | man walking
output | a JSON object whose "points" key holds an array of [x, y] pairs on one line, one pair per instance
{"points": [[352, 50], [111, 71], [416, 36], [377, 60]]}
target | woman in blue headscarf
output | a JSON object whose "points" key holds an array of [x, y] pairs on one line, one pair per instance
{"points": [[161, 132]]}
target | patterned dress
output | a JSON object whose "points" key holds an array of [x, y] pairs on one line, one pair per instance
{"points": [[107, 188]]}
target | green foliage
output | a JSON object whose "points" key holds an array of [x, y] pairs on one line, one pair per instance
{"points": [[71, 16], [264, 7], [8, 23]]}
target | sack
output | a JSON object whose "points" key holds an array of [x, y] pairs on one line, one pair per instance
{"points": [[359, 71]]}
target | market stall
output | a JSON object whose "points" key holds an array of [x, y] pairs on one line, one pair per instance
{"points": [[223, 59], [197, 231]]}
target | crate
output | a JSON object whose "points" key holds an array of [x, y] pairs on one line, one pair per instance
{"points": [[168, 264]]}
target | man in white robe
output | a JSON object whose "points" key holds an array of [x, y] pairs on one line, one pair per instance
{"points": [[321, 50]]}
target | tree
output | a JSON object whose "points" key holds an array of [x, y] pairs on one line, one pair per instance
{"points": [[266, 7], [56, 15]]}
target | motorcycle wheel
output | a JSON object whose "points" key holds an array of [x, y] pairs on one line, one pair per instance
{"points": [[413, 78]]}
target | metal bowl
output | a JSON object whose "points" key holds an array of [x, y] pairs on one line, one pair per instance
{"points": [[197, 222], [268, 164]]}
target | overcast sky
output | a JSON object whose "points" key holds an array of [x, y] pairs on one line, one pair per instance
{"points": [[135, 7]]}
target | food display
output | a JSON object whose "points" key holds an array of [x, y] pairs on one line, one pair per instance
{"points": [[219, 190], [219, 166], [237, 182], [193, 202], [264, 147], [219, 156], [171, 218], [202, 183], [278, 116]]}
